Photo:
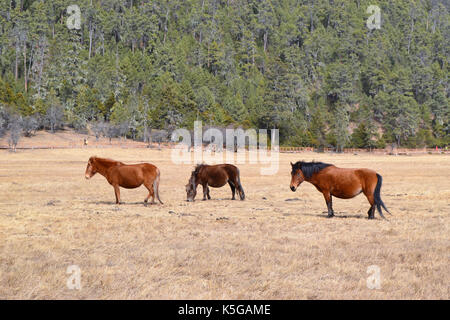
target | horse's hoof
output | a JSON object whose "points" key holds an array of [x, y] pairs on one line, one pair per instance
{"points": [[330, 216]]}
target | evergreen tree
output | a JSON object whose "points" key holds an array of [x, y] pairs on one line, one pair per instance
{"points": [[309, 68]]}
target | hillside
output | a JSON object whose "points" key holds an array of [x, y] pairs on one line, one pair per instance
{"points": [[70, 139], [313, 69]]}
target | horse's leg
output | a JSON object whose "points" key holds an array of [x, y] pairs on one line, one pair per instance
{"points": [[238, 186], [371, 199], [117, 193], [371, 212], [233, 189], [205, 191], [151, 192], [241, 190], [373, 195], [329, 201]]}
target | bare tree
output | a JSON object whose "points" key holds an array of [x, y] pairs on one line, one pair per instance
{"points": [[123, 129], [160, 136], [15, 132], [54, 118], [38, 65], [98, 128], [111, 131], [2, 127], [3, 121], [30, 124]]}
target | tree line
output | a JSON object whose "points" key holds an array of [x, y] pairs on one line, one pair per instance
{"points": [[312, 69]]}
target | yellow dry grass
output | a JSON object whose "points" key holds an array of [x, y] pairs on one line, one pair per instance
{"points": [[266, 247]]}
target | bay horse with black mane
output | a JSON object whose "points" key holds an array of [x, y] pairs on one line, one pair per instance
{"points": [[340, 182], [127, 176], [215, 176]]}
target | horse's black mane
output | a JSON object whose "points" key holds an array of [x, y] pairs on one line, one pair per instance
{"points": [[309, 168], [195, 172], [198, 167]]}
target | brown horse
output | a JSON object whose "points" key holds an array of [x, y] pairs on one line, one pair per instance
{"points": [[122, 175], [215, 176], [339, 182]]}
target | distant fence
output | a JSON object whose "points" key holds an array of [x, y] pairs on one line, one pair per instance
{"points": [[393, 151], [128, 144], [167, 145]]}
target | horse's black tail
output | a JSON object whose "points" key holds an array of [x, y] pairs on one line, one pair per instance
{"points": [[241, 190], [377, 196]]}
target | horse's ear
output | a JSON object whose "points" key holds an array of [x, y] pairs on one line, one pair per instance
{"points": [[292, 164]]}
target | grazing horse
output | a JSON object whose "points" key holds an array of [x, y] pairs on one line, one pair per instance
{"points": [[339, 182], [127, 176], [215, 176]]}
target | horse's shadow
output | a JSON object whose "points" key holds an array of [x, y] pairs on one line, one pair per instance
{"points": [[122, 203], [336, 215]]}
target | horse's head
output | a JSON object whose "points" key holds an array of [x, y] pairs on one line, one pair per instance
{"points": [[90, 169], [297, 177], [191, 190]]}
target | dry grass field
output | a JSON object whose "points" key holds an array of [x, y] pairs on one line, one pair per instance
{"points": [[274, 245]]}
